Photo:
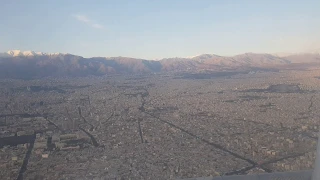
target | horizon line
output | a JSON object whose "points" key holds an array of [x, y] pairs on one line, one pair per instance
{"points": [[277, 54]]}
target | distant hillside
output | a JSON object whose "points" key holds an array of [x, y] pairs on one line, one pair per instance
{"points": [[30, 64], [303, 58]]}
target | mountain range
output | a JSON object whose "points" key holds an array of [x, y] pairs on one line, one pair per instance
{"points": [[30, 64]]}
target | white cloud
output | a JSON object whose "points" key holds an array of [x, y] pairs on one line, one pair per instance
{"points": [[88, 21], [97, 26], [81, 18]]}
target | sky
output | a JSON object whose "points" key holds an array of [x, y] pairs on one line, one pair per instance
{"points": [[154, 29]]}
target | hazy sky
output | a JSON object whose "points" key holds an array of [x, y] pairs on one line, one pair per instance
{"points": [[159, 28]]}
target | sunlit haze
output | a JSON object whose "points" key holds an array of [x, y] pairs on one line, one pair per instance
{"points": [[160, 29]]}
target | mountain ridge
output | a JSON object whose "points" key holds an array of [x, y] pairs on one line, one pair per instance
{"points": [[20, 53], [14, 53], [30, 64]]}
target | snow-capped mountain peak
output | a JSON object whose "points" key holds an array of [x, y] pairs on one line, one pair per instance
{"points": [[14, 53]]}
